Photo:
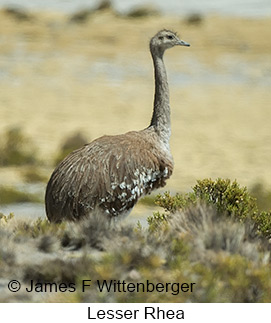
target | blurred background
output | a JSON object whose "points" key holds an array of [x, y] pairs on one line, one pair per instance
{"points": [[71, 71]]}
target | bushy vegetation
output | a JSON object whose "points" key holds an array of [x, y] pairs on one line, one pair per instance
{"points": [[17, 14], [16, 149], [143, 12], [214, 237], [71, 143], [19, 153], [84, 15], [10, 195], [227, 197], [262, 195]]}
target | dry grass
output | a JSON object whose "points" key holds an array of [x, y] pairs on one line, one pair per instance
{"points": [[226, 260]]}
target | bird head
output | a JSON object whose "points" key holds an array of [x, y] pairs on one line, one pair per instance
{"points": [[165, 39]]}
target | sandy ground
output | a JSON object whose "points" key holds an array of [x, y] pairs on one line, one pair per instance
{"points": [[58, 77]]}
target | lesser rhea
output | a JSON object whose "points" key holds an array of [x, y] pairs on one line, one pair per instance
{"points": [[112, 172]]}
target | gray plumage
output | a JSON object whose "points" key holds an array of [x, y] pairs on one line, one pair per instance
{"points": [[112, 172]]}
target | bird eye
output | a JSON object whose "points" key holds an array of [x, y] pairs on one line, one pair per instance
{"points": [[169, 37]]}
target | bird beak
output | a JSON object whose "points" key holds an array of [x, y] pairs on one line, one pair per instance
{"points": [[183, 43]]}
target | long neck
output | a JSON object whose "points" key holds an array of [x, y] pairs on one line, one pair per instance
{"points": [[161, 110]]}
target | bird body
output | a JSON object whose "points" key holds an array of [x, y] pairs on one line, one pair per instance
{"points": [[112, 172]]}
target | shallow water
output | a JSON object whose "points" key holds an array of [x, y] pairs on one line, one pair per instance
{"points": [[25, 210], [33, 211], [247, 8]]}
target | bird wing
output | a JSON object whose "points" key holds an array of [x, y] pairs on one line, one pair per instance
{"points": [[112, 172]]}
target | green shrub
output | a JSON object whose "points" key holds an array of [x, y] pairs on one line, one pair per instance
{"points": [[38, 228], [262, 195], [263, 222], [17, 14], [10, 195], [143, 12], [203, 237], [71, 143], [6, 218], [231, 279], [33, 175], [172, 204], [228, 197], [225, 196], [157, 221], [16, 149]]}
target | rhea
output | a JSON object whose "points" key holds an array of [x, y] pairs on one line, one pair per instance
{"points": [[111, 173]]}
